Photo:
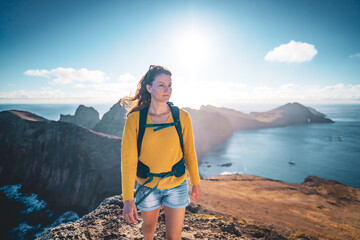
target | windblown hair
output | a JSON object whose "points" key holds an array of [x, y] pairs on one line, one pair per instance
{"points": [[142, 97]]}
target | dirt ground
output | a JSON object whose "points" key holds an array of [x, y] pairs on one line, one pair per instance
{"points": [[325, 209]]}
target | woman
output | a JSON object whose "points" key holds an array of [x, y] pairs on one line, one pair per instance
{"points": [[160, 151]]}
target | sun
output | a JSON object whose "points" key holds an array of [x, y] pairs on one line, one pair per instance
{"points": [[192, 47]]}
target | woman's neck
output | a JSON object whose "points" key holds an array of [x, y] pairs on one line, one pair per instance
{"points": [[158, 108]]}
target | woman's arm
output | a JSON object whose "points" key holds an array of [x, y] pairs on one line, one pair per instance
{"points": [[189, 149], [129, 156]]}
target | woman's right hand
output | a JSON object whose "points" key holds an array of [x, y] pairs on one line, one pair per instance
{"points": [[130, 211]]}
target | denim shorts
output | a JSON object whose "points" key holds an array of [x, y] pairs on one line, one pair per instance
{"points": [[177, 197]]}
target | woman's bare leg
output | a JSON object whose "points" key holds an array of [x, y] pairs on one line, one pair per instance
{"points": [[174, 220], [150, 219]]}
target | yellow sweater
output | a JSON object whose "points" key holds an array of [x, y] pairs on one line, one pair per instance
{"points": [[160, 150]]}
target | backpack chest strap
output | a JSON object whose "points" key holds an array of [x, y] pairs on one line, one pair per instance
{"points": [[160, 125]]}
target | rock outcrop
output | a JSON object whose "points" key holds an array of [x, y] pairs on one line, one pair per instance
{"points": [[84, 116], [291, 114], [210, 129], [69, 166], [113, 121], [106, 222], [239, 207], [239, 120]]}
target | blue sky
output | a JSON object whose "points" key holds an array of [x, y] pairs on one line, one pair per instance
{"points": [[220, 52]]}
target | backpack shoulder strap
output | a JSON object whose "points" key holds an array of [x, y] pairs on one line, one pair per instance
{"points": [[142, 122], [175, 113]]}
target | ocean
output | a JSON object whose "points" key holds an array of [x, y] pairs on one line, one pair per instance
{"points": [[24, 216], [330, 151], [53, 111]]}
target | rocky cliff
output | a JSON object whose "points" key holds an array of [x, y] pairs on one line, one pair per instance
{"points": [[113, 121], [69, 166], [239, 207], [84, 116], [210, 129], [106, 222], [239, 120], [291, 114]]}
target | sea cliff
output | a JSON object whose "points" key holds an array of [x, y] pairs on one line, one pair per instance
{"points": [[74, 167], [69, 166]]}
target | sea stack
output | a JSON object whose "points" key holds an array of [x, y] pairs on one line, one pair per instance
{"points": [[84, 116]]}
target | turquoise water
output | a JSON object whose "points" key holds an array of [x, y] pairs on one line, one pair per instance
{"points": [[330, 151]]}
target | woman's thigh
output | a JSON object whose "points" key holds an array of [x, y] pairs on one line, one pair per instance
{"points": [[174, 220], [150, 217]]}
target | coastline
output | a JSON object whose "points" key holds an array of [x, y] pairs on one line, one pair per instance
{"points": [[264, 215]]}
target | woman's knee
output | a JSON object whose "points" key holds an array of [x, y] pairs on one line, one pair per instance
{"points": [[173, 235], [149, 224], [150, 219]]}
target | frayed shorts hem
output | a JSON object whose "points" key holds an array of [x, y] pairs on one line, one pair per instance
{"points": [[177, 197]]}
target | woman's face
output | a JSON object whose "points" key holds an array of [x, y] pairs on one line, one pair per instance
{"points": [[160, 89]]}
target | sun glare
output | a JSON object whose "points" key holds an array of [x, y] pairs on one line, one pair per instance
{"points": [[192, 47]]}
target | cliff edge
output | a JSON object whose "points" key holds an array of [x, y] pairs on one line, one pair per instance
{"points": [[239, 207], [106, 222]]}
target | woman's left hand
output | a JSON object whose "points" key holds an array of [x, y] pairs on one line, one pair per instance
{"points": [[196, 191]]}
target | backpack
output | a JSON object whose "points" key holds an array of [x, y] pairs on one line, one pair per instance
{"points": [[143, 171]]}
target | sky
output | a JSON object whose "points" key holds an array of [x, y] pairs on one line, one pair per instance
{"points": [[220, 52]]}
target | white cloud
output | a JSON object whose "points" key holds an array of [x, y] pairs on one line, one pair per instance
{"points": [[127, 77], [69, 75], [291, 87], [223, 94], [56, 96], [356, 55], [334, 88], [292, 52], [25, 95], [192, 93], [127, 82], [189, 93]]}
